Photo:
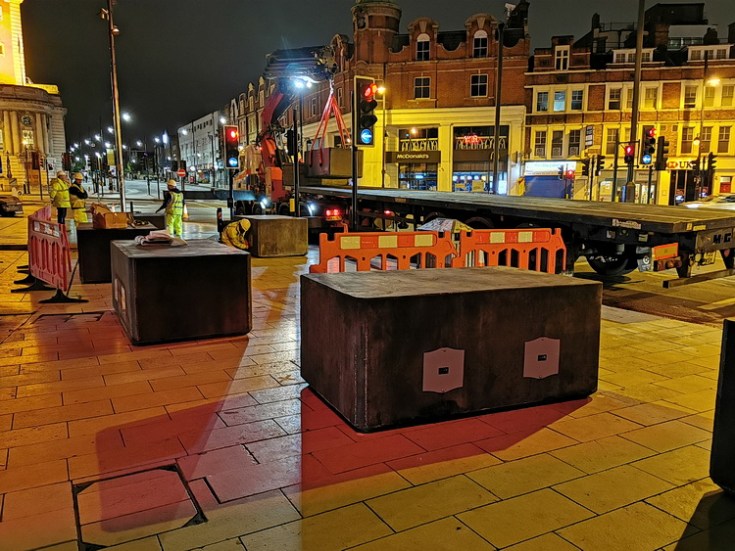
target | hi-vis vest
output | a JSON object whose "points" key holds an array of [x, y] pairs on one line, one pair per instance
{"points": [[176, 205], [77, 202], [59, 194]]}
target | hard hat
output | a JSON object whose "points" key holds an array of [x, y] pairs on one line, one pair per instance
{"points": [[60, 173], [78, 176], [171, 183]]}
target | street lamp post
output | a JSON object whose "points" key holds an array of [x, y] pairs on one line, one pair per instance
{"points": [[144, 143], [113, 31], [382, 91]]}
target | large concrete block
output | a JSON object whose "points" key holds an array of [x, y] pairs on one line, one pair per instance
{"points": [[163, 293], [93, 246], [386, 348], [275, 235]]}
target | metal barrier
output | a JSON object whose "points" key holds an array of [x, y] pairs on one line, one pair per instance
{"points": [[537, 249], [393, 251], [49, 256]]}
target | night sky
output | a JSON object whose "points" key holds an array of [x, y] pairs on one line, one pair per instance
{"points": [[180, 59]]}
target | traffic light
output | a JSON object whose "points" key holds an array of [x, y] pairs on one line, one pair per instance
{"points": [[561, 172], [174, 166], [629, 153], [365, 104], [586, 167], [600, 165], [711, 162], [694, 164], [232, 145], [649, 145], [662, 153], [569, 175], [291, 142]]}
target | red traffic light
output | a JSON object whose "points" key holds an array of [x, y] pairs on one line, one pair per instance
{"points": [[630, 149], [369, 92], [651, 132]]}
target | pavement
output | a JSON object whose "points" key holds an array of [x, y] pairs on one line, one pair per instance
{"points": [[219, 444]]}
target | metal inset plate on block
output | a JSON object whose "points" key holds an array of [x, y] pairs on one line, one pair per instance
{"points": [[541, 358], [443, 370]]}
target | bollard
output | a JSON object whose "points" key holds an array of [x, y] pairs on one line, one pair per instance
{"points": [[722, 458]]}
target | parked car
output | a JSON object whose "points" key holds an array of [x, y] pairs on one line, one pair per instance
{"points": [[9, 205], [725, 201]]}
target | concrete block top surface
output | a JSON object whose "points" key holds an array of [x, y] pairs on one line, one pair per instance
{"points": [[269, 217], [87, 227], [408, 283], [195, 247]]}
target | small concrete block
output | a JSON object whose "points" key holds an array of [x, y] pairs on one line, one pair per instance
{"points": [[275, 235]]}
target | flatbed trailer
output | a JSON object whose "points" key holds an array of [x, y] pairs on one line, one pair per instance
{"points": [[615, 238]]}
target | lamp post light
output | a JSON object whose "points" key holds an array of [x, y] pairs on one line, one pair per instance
{"points": [[113, 31]]}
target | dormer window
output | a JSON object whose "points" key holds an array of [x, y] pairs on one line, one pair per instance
{"points": [[625, 57], [479, 44], [698, 53], [422, 47], [561, 58]]}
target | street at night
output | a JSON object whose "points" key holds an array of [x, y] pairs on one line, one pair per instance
{"points": [[388, 275]]}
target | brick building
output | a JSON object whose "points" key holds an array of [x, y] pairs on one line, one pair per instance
{"points": [[579, 98], [563, 105]]}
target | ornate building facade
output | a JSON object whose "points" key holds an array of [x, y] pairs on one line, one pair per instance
{"points": [[32, 137]]}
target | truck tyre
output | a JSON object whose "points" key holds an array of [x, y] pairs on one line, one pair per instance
{"points": [[480, 223]]}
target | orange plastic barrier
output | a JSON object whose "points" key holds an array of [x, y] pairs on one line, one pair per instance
{"points": [[537, 249], [49, 255], [392, 250]]}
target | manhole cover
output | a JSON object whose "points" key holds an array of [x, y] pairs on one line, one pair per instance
{"points": [[126, 508], [78, 317]]}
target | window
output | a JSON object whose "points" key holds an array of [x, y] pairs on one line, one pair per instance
{"points": [[575, 139], [539, 148], [687, 136], [561, 58], [478, 86], [560, 100], [723, 141], [422, 47], [314, 107], [557, 143], [696, 55], [690, 97], [613, 102], [479, 44], [709, 96], [611, 145], [542, 101], [340, 97], [705, 139], [422, 87], [619, 57], [649, 98], [721, 53], [577, 96], [629, 98], [728, 91]]}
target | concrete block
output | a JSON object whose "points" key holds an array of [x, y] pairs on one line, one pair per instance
{"points": [[275, 235], [387, 348], [93, 246], [162, 293]]}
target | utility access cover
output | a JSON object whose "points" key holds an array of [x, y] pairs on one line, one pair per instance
{"points": [[130, 507]]}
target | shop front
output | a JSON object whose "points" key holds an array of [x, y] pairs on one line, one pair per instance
{"points": [[472, 160]]}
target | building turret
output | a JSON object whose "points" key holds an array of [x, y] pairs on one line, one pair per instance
{"points": [[375, 24]]}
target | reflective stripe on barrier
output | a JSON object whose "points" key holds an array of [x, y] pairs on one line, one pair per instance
{"points": [[538, 249], [395, 251], [49, 256]]}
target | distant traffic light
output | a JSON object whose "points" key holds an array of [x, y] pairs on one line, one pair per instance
{"points": [[711, 162], [694, 164], [569, 175], [629, 153], [561, 172], [662, 153], [291, 142], [586, 167], [600, 165], [232, 146], [365, 104]]}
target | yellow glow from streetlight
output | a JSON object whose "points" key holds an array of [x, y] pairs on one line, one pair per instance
{"points": [[382, 90], [713, 81], [696, 141]]}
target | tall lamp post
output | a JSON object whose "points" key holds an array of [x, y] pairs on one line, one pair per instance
{"points": [[144, 143], [382, 90], [113, 31], [699, 140]]}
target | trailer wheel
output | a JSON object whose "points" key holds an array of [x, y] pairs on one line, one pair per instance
{"points": [[480, 223], [613, 264]]}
